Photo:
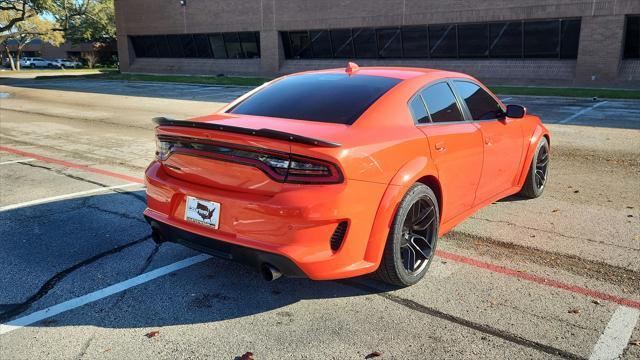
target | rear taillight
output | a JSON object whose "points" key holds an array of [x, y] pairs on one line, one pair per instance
{"points": [[279, 166]]}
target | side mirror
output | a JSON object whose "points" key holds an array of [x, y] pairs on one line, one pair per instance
{"points": [[516, 111]]}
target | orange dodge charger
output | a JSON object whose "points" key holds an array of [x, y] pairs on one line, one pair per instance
{"points": [[338, 173]]}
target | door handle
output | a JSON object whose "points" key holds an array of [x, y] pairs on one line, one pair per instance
{"points": [[488, 141], [440, 146]]}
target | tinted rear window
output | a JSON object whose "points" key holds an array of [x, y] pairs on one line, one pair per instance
{"points": [[332, 98]]}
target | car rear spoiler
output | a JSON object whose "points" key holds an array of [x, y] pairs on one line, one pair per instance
{"points": [[266, 133]]}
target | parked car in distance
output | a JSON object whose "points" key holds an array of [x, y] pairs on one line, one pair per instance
{"points": [[343, 172], [66, 64], [34, 62]]}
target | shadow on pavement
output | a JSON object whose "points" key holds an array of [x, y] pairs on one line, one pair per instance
{"points": [[57, 251]]}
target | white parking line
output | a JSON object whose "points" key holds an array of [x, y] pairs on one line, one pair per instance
{"points": [[16, 161], [99, 294], [581, 112], [65, 196], [616, 335]]}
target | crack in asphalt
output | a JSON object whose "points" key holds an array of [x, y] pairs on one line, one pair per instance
{"points": [[555, 233], [102, 160], [144, 268], [79, 178], [115, 213], [486, 329], [55, 279]]}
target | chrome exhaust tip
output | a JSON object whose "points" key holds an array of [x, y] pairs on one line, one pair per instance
{"points": [[269, 272]]}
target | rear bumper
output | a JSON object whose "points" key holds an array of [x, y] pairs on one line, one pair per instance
{"points": [[224, 250], [295, 224]]}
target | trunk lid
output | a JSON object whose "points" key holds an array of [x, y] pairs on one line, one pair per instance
{"points": [[229, 152]]}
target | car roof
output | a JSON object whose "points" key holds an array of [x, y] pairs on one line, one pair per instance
{"points": [[402, 73]]}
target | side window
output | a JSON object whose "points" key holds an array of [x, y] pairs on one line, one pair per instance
{"points": [[418, 111], [441, 103], [482, 106]]}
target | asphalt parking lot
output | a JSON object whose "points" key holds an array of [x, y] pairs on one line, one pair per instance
{"points": [[554, 277]]}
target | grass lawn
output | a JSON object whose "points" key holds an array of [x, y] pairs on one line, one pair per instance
{"points": [[569, 92]]}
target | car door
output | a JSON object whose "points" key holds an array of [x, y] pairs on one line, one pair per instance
{"points": [[455, 146], [502, 139]]}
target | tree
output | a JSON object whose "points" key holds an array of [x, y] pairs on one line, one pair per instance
{"points": [[91, 58], [86, 21], [24, 32], [16, 11]]}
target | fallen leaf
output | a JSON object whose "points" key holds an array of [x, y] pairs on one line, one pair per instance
{"points": [[152, 334], [574, 311], [555, 210], [629, 216], [629, 207], [373, 355], [596, 302], [634, 342], [247, 356], [106, 350], [576, 191]]}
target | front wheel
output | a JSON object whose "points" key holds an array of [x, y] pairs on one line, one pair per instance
{"points": [[412, 239], [538, 172]]}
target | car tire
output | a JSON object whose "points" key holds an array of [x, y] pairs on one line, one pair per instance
{"points": [[406, 240], [538, 174], [33, 66]]}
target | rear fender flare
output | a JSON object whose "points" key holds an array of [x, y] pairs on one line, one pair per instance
{"points": [[409, 174]]}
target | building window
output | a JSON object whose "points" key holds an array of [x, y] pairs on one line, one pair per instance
{"points": [[505, 40], [556, 38], [389, 43], [541, 39], [442, 41], [473, 40], [235, 45], [632, 37]]}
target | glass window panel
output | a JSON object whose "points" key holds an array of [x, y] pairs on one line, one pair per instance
{"points": [[442, 41], [364, 41], [473, 40], [175, 46], [481, 105], [418, 111], [632, 38], [150, 48], [505, 40], [300, 45], [332, 98], [249, 44], [570, 37], [441, 103], [321, 43], [342, 43], [138, 46], [202, 45], [286, 44], [217, 46], [188, 46], [232, 44], [542, 39], [163, 46], [389, 43], [415, 42]]}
